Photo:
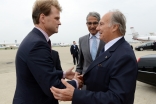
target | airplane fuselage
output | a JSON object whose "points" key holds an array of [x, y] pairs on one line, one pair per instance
{"points": [[145, 38]]}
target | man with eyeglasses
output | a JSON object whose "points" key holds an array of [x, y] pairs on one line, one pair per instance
{"points": [[89, 45]]}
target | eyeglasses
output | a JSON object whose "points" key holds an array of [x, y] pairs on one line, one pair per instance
{"points": [[90, 23]]}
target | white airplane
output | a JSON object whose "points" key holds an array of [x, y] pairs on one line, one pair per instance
{"points": [[136, 36], [8, 46], [2, 46], [152, 34]]}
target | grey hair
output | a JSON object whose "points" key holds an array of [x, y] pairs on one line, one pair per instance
{"points": [[118, 18], [94, 14]]}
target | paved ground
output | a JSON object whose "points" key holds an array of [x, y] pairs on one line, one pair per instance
{"points": [[145, 94]]}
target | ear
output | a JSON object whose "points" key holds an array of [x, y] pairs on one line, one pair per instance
{"points": [[41, 18], [115, 27]]}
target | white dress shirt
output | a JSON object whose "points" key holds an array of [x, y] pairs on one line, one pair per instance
{"points": [[110, 43], [44, 33]]}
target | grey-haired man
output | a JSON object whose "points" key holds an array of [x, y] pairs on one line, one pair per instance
{"points": [[89, 45]]}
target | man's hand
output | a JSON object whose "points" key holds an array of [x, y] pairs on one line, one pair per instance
{"points": [[69, 74], [79, 78], [63, 94]]}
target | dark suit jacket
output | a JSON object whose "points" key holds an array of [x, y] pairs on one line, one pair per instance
{"points": [[85, 58], [56, 60], [35, 71], [74, 50], [111, 78]]}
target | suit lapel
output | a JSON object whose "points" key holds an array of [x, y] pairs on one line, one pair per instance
{"points": [[106, 55], [99, 60], [88, 47], [101, 45], [39, 33]]}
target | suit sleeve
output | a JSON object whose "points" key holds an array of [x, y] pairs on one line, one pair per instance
{"points": [[41, 66], [79, 66], [121, 85], [77, 48], [58, 63]]}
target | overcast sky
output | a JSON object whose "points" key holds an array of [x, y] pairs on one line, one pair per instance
{"points": [[16, 21]]}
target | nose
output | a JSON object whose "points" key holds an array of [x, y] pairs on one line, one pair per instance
{"points": [[59, 23], [97, 28], [92, 25]]}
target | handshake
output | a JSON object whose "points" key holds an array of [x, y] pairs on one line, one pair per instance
{"points": [[67, 93], [70, 75]]}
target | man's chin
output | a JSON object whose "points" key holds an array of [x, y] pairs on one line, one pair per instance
{"points": [[56, 31], [93, 33]]}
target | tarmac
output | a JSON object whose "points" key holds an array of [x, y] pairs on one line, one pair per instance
{"points": [[144, 94]]}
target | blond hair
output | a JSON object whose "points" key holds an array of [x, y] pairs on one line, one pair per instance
{"points": [[43, 6]]}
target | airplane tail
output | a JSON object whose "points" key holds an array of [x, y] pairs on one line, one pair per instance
{"points": [[135, 34], [152, 34]]}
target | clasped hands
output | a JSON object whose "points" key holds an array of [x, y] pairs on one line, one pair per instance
{"points": [[70, 75], [67, 93]]}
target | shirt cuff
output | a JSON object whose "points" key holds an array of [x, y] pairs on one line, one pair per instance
{"points": [[64, 75], [77, 84]]}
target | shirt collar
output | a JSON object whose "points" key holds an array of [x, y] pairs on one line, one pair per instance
{"points": [[97, 35], [110, 43], [44, 33]]}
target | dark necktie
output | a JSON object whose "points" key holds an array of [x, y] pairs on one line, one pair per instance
{"points": [[49, 42], [102, 51]]}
